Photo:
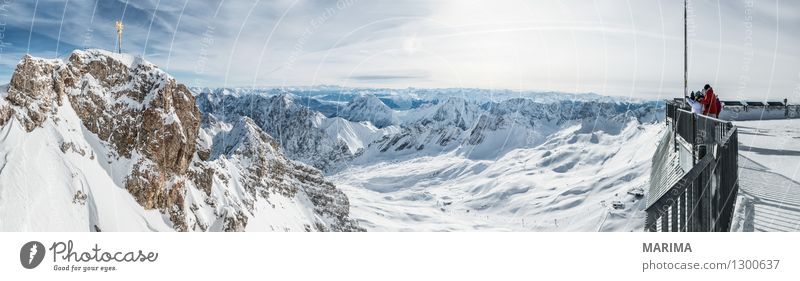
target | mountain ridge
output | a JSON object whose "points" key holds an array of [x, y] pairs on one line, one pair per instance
{"points": [[133, 133]]}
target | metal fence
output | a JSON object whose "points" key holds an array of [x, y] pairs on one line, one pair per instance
{"points": [[703, 198]]}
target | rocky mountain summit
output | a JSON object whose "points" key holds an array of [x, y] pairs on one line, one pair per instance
{"points": [[369, 108], [299, 130], [198, 173]]}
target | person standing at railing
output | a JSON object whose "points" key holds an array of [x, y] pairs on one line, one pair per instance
{"points": [[711, 106], [697, 108], [786, 108]]}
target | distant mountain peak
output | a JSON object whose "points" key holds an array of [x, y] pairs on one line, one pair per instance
{"points": [[366, 107]]}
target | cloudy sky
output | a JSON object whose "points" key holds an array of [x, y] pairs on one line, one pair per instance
{"points": [[746, 49]]}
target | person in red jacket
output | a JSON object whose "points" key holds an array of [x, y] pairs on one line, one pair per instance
{"points": [[710, 104]]}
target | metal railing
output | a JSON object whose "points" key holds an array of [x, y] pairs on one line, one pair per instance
{"points": [[703, 198]]}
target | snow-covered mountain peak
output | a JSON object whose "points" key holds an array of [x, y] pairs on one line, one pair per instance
{"points": [[113, 122], [369, 102], [299, 130], [245, 135], [457, 111], [367, 107], [104, 94], [283, 100], [34, 93], [104, 56]]}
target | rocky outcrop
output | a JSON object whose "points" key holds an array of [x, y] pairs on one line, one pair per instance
{"points": [[5, 113], [267, 173], [36, 90], [296, 128], [152, 122], [125, 101], [368, 108], [137, 108]]}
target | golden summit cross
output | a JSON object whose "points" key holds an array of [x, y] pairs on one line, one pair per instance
{"points": [[119, 36]]}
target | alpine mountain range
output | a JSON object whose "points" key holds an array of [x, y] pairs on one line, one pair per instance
{"points": [[109, 142]]}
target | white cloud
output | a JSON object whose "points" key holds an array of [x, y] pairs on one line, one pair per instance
{"points": [[611, 47]]}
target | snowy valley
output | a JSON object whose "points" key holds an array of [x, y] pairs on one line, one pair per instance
{"points": [[524, 162]]}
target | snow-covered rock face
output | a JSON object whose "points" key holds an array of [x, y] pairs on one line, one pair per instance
{"points": [[490, 130], [253, 168], [369, 108], [439, 130], [125, 101], [136, 107], [516, 159], [146, 127], [299, 130], [35, 92], [482, 131]]}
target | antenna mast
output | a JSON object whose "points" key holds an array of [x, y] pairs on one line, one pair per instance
{"points": [[685, 52]]}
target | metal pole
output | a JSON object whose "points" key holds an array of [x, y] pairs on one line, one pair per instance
{"points": [[685, 51]]}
